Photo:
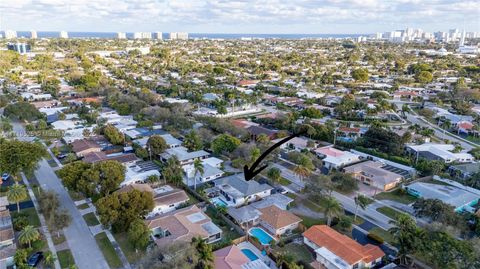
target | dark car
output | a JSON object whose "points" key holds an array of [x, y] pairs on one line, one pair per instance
{"points": [[35, 259], [5, 176], [62, 156]]}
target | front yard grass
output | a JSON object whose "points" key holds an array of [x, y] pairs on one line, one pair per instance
{"points": [[108, 251], [389, 212], [83, 206], [65, 258], [91, 219], [57, 240], [76, 196], [310, 221], [284, 182], [397, 196], [31, 215], [383, 234], [127, 248]]}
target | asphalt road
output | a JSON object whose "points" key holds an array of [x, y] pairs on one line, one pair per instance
{"points": [[84, 248]]}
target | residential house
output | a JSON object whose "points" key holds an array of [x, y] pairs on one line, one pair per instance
{"points": [[333, 158], [209, 173], [296, 143], [7, 246], [230, 257], [236, 191], [338, 251], [171, 141], [139, 172], [374, 174], [136, 133], [125, 159], [82, 147], [183, 155], [278, 221], [182, 225], [465, 170], [165, 198], [255, 131], [439, 152]]}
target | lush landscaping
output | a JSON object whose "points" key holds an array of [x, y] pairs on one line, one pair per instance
{"points": [[299, 252], [396, 195], [108, 251], [91, 219], [309, 221], [65, 258], [30, 214]]}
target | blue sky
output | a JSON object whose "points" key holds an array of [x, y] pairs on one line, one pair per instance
{"points": [[240, 16]]}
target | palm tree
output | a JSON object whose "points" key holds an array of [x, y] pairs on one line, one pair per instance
{"points": [[332, 209], [172, 171], [302, 171], [407, 235], [198, 168], [360, 201], [204, 251], [28, 234], [405, 109], [16, 194], [49, 258]]}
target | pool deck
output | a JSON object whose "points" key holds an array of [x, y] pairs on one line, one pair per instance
{"points": [[247, 245]]}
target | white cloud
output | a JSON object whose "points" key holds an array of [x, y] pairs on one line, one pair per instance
{"points": [[249, 14]]}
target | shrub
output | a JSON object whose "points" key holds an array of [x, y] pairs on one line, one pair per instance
{"points": [[375, 237]]}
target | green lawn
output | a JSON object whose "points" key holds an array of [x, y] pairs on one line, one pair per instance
{"points": [[397, 196], [83, 206], [309, 221], [284, 182], [297, 251], [389, 212], [127, 248], [31, 215], [91, 219], [473, 139], [383, 234], [108, 250], [291, 195], [65, 258], [312, 206]]}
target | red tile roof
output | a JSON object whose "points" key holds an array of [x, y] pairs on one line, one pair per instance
{"points": [[341, 245]]}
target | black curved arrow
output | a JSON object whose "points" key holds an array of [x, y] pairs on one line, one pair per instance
{"points": [[251, 172]]}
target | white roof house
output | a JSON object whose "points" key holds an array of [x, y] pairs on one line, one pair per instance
{"points": [[64, 125], [171, 141], [334, 158], [138, 174], [442, 152], [183, 155]]}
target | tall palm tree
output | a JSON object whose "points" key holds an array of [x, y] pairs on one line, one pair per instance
{"points": [[28, 234], [302, 171], [198, 169], [332, 209], [172, 171], [360, 201], [407, 235], [405, 109], [17, 193], [204, 251]]}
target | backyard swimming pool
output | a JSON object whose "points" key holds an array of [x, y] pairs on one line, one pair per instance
{"points": [[261, 235], [250, 254], [218, 202]]}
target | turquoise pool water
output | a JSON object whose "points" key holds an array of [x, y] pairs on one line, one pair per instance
{"points": [[250, 254], [218, 202], [261, 235]]}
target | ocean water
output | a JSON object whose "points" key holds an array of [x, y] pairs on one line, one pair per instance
{"points": [[111, 35]]}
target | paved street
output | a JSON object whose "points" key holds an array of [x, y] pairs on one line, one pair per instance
{"points": [[82, 244]]}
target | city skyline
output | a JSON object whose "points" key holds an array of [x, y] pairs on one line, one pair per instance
{"points": [[247, 16]]}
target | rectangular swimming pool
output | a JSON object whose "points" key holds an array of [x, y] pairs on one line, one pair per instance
{"points": [[250, 254], [261, 235]]}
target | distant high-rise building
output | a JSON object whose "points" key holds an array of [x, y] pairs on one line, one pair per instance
{"points": [[142, 35], [178, 35], [462, 39], [10, 34], [158, 35], [33, 34], [21, 48], [121, 35], [63, 34]]}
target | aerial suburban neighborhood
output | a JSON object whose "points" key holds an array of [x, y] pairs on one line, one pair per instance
{"points": [[132, 151]]}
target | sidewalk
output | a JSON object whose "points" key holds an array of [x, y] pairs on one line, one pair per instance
{"points": [[44, 227]]}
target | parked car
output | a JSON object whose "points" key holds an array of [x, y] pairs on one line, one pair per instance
{"points": [[5, 176], [35, 259], [62, 156]]}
